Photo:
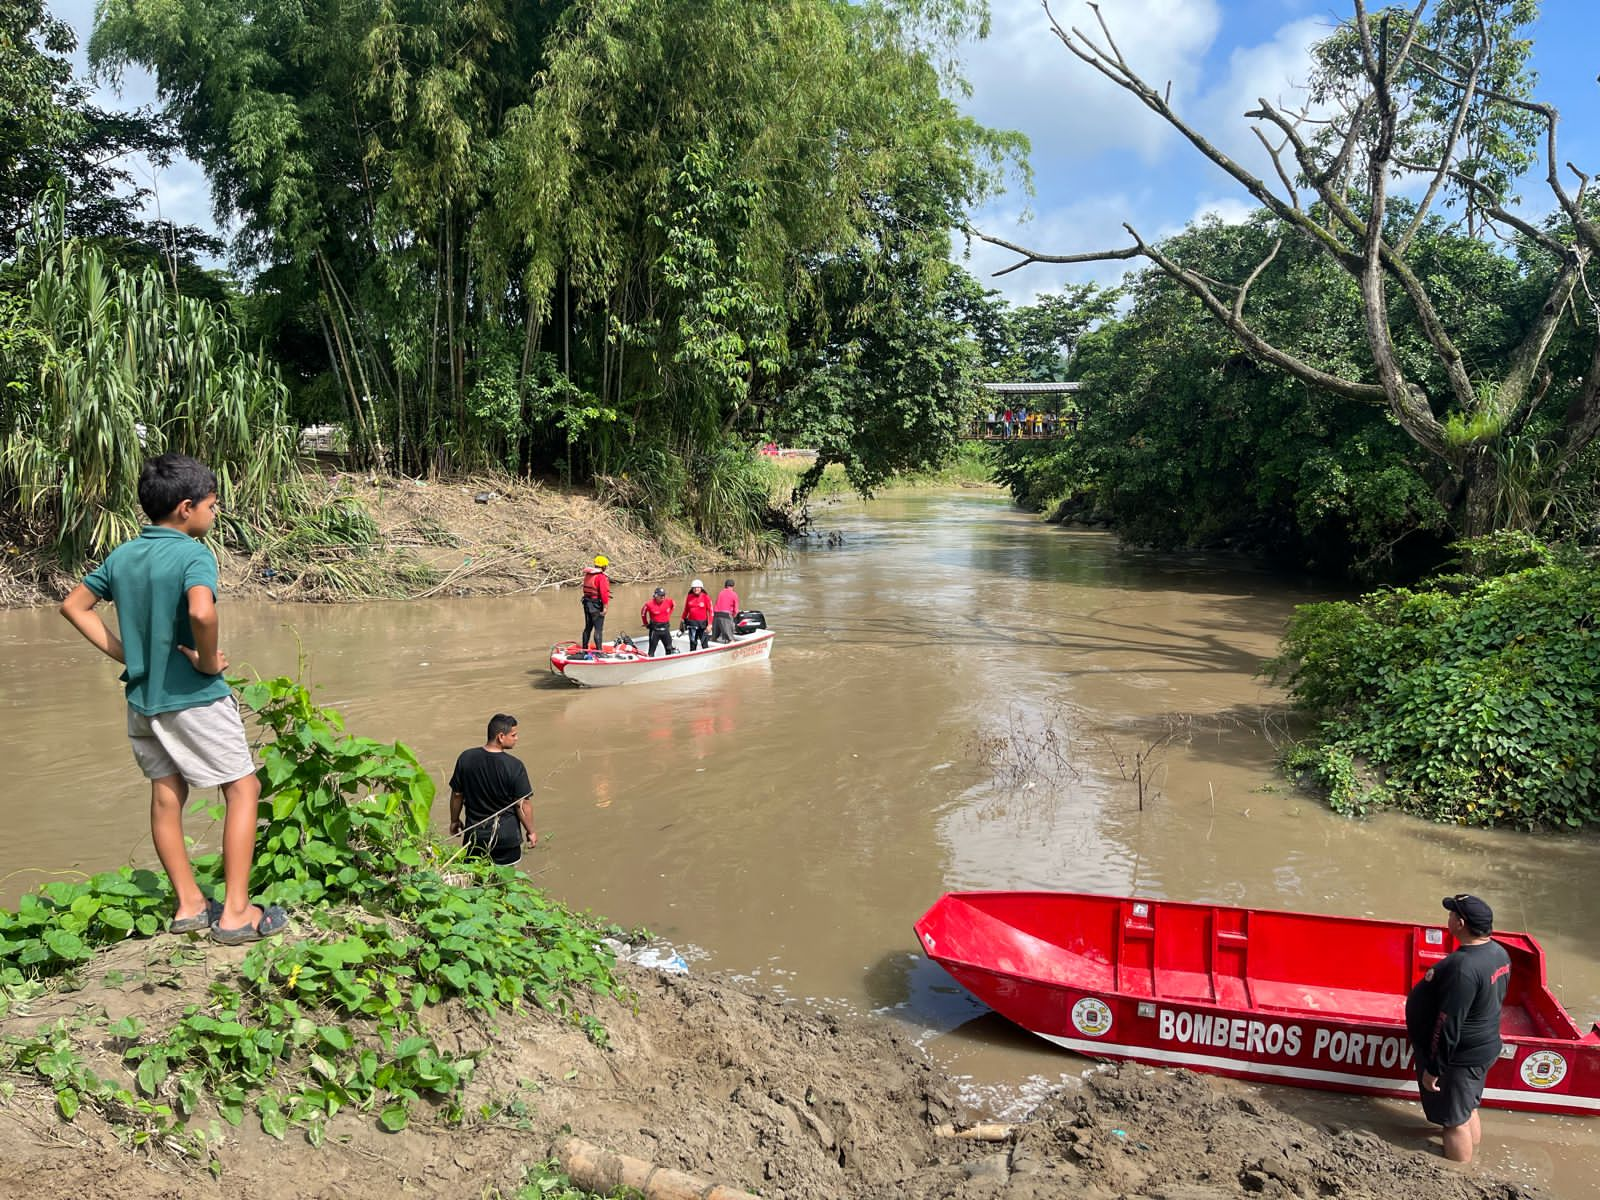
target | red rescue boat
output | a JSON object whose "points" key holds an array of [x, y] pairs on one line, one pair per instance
{"points": [[1276, 997]]}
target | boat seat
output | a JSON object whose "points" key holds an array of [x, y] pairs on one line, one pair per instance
{"points": [[1334, 1001]]}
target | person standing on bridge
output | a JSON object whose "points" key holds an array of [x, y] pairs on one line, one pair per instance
{"points": [[596, 595], [1453, 1020]]}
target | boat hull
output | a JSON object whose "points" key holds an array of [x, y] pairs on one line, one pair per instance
{"points": [[623, 669], [1256, 1029]]}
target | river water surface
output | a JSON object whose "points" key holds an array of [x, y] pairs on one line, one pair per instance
{"points": [[959, 697]]}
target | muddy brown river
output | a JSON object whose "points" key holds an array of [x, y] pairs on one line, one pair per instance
{"points": [[959, 697]]}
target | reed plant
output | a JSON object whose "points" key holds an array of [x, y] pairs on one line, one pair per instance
{"points": [[127, 368], [724, 491]]}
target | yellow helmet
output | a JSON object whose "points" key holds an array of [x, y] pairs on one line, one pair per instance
{"points": [[600, 560]]}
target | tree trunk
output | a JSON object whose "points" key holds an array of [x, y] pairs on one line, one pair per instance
{"points": [[1480, 492]]}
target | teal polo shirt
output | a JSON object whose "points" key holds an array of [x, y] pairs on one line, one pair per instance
{"points": [[148, 579]]}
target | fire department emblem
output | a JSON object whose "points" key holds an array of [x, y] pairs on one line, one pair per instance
{"points": [[1091, 1017], [1543, 1069]]}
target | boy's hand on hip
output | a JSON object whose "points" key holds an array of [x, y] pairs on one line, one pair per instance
{"points": [[216, 667]]}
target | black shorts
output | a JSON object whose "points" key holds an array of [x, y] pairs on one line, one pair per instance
{"points": [[500, 843], [1460, 1092]]}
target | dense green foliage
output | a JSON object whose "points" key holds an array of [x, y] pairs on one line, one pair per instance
{"points": [[582, 235], [1187, 441], [338, 1017], [1475, 339], [1469, 700], [118, 365], [53, 138]]}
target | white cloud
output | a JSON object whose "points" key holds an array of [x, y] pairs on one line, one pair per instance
{"points": [[1023, 78], [1230, 210], [1091, 223], [1277, 71], [1109, 164]]}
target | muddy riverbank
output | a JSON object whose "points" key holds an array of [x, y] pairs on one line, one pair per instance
{"points": [[489, 536], [959, 697], [709, 1077]]}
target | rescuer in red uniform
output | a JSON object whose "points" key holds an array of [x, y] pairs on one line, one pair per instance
{"points": [[697, 616], [596, 595], [657, 617], [724, 611]]}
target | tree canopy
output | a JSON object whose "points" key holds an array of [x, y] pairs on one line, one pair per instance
{"points": [[1440, 94], [544, 234]]}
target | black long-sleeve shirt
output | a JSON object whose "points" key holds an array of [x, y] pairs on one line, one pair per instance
{"points": [[1453, 1013]]}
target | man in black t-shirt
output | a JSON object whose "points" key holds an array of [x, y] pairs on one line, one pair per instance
{"points": [[1453, 1020], [490, 788]]}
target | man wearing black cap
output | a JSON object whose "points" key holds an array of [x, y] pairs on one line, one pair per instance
{"points": [[1453, 1019], [656, 615]]}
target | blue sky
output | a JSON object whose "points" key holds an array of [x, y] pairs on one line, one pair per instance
{"points": [[1098, 157]]}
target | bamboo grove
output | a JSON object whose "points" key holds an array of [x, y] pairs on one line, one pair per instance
{"points": [[588, 237]]}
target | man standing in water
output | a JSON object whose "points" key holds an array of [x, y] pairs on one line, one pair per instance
{"points": [[1453, 1019], [490, 789], [596, 595]]}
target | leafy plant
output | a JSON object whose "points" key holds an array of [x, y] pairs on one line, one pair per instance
{"points": [[1470, 700], [129, 368], [336, 1017]]}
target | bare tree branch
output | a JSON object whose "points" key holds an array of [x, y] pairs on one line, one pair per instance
{"points": [[1411, 410], [1034, 256], [1491, 207], [1258, 346], [1244, 288], [1468, 93], [1276, 154]]}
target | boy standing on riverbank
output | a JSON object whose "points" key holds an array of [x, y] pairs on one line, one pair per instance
{"points": [[183, 720]]}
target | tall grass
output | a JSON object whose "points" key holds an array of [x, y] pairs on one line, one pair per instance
{"points": [[723, 492], [127, 368]]}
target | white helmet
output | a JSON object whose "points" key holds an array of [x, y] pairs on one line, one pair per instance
{"points": [[698, 584]]}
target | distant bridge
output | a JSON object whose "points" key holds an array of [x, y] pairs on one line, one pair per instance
{"points": [[1041, 404]]}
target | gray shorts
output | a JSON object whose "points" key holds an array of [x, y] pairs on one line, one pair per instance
{"points": [[205, 745]]}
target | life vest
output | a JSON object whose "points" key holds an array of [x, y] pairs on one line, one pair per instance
{"points": [[595, 585]]}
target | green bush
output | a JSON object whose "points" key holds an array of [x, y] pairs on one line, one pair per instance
{"points": [[1469, 700]]}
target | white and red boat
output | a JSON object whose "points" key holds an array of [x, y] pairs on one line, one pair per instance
{"points": [[1276, 997], [622, 662]]}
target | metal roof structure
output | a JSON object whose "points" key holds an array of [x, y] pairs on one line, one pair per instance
{"points": [[1032, 389]]}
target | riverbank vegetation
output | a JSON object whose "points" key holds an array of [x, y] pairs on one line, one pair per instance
{"points": [[1350, 379], [1469, 698], [395, 938], [610, 246]]}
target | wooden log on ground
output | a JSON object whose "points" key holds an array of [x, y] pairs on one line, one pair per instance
{"points": [[598, 1170], [987, 1132]]}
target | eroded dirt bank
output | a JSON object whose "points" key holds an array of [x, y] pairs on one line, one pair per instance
{"points": [[445, 537], [706, 1077]]}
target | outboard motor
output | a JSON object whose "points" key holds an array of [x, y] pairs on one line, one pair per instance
{"points": [[749, 621]]}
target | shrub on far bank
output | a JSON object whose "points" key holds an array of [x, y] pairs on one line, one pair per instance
{"points": [[1466, 700]]}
